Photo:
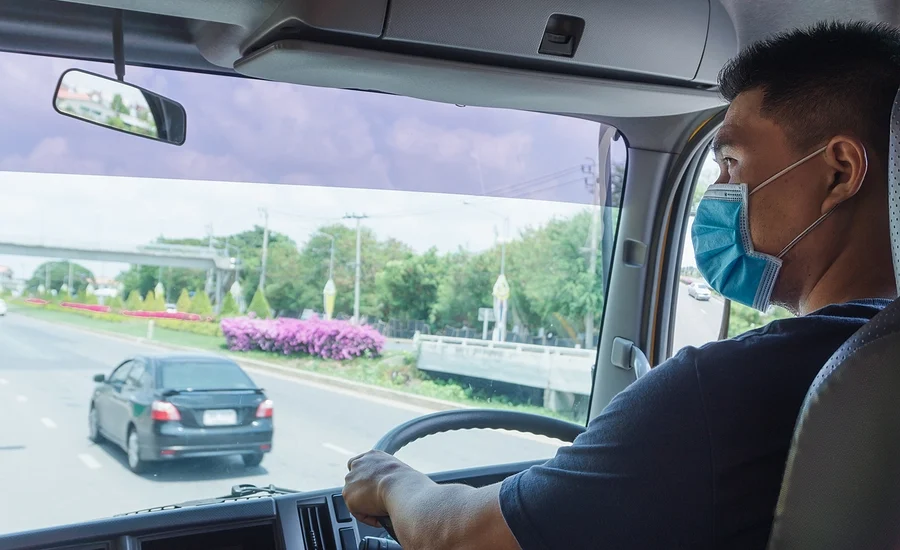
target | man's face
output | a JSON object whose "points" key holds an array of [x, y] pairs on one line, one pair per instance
{"points": [[750, 149]]}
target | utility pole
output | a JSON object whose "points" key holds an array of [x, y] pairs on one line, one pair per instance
{"points": [[358, 218], [265, 251]]}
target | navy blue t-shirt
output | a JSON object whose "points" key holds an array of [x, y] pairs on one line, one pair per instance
{"points": [[690, 455]]}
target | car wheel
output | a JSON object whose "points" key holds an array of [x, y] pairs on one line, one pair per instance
{"points": [[94, 426], [253, 460], [133, 448]]}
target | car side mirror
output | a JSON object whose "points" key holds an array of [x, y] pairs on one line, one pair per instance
{"points": [[99, 378], [124, 107]]}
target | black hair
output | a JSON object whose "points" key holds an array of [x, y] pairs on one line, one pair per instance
{"points": [[817, 82]]}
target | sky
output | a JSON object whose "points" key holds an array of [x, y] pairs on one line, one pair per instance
{"points": [[426, 173]]}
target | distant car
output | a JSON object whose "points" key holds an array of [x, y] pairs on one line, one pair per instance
{"points": [[2, 308], [171, 308], [161, 408], [699, 291]]}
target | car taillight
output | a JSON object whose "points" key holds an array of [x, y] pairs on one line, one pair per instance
{"points": [[164, 411], [265, 409]]}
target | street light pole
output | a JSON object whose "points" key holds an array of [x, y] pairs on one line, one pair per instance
{"points": [[358, 218], [265, 249]]}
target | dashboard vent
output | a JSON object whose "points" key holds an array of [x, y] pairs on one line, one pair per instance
{"points": [[316, 524]]}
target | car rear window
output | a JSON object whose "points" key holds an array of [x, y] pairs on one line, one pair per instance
{"points": [[203, 375]]}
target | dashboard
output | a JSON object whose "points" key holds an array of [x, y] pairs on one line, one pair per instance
{"points": [[316, 520]]}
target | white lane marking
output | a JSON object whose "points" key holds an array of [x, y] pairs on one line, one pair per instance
{"points": [[3, 381], [89, 461], [21, 398], [49, 423], [338, 450]]}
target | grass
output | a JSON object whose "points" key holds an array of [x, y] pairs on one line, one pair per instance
{"points": [[393, 369]]}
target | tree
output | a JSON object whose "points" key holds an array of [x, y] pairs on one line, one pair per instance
{"points": [[134, 301], [59, 275], [184, 301], [200, 304], [259, 305], [152, 302], [407, 289], [465, 287], [229, 306], [118, 105]]}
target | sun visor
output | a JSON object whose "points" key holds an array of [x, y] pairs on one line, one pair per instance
{"points": [[315, 64], [648, 41]]}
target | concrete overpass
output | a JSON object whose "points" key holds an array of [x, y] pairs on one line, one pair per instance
{"points": [[155, 254], [165, 255]]}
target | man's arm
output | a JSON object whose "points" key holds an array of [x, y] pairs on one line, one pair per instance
{"points": [[425, 514]]}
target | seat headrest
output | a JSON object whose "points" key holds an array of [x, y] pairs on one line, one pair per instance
{"points": [[841, 487]]}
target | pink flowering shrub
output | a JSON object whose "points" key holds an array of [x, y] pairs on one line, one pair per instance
{"points": [[36, 301], [339, 340]]}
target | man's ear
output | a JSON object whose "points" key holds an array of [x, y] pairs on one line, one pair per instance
{"points": [[846, 156]]}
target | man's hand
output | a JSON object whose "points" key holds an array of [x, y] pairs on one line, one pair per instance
{"points": [[425, 515], [367, 481]]}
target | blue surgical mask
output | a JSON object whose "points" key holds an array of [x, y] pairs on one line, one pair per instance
{"points": [[725, 254]]}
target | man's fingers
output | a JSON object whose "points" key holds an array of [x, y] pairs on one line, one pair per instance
{"points": [[350, 462], [371, 521]]}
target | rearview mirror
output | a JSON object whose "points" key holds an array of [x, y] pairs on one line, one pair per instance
{"points": [[99, 378], [120, 106]]}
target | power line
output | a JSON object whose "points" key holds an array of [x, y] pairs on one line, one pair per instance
{"points": [[520, 186], [553, 185]]}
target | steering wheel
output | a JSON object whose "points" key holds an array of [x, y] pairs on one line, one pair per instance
{"points": [[470, 419]]}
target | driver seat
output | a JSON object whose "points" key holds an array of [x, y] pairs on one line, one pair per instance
{"points": [[841, 486]]}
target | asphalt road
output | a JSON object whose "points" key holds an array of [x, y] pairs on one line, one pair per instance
{"points": [[52, 474], [696, 322]]}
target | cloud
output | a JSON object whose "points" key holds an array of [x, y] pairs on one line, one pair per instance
{"points": [[51, 155], [505, 151]]}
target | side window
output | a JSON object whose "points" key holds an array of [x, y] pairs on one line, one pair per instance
{"points": [[136, 376], [121, 373], [700, 309]]}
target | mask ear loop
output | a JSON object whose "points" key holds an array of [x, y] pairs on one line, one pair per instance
{"points": [[806, 231], [789, 168], [822, 218]]}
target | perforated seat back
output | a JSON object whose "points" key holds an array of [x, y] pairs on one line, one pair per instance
{"points": [[841, 487]]}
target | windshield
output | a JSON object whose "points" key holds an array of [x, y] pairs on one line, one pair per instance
{"points": [[183, 375], [365, 259]]}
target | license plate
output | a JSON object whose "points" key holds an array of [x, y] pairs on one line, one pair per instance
{"points": [[221, 417]]}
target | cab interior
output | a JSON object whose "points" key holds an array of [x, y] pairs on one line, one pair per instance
{"points": [[647, 68]]}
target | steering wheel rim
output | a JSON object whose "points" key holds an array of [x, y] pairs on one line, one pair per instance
{"points": [[470, 419]]}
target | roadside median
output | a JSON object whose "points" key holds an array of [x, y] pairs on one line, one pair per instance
{"points": [[392, 376]]}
